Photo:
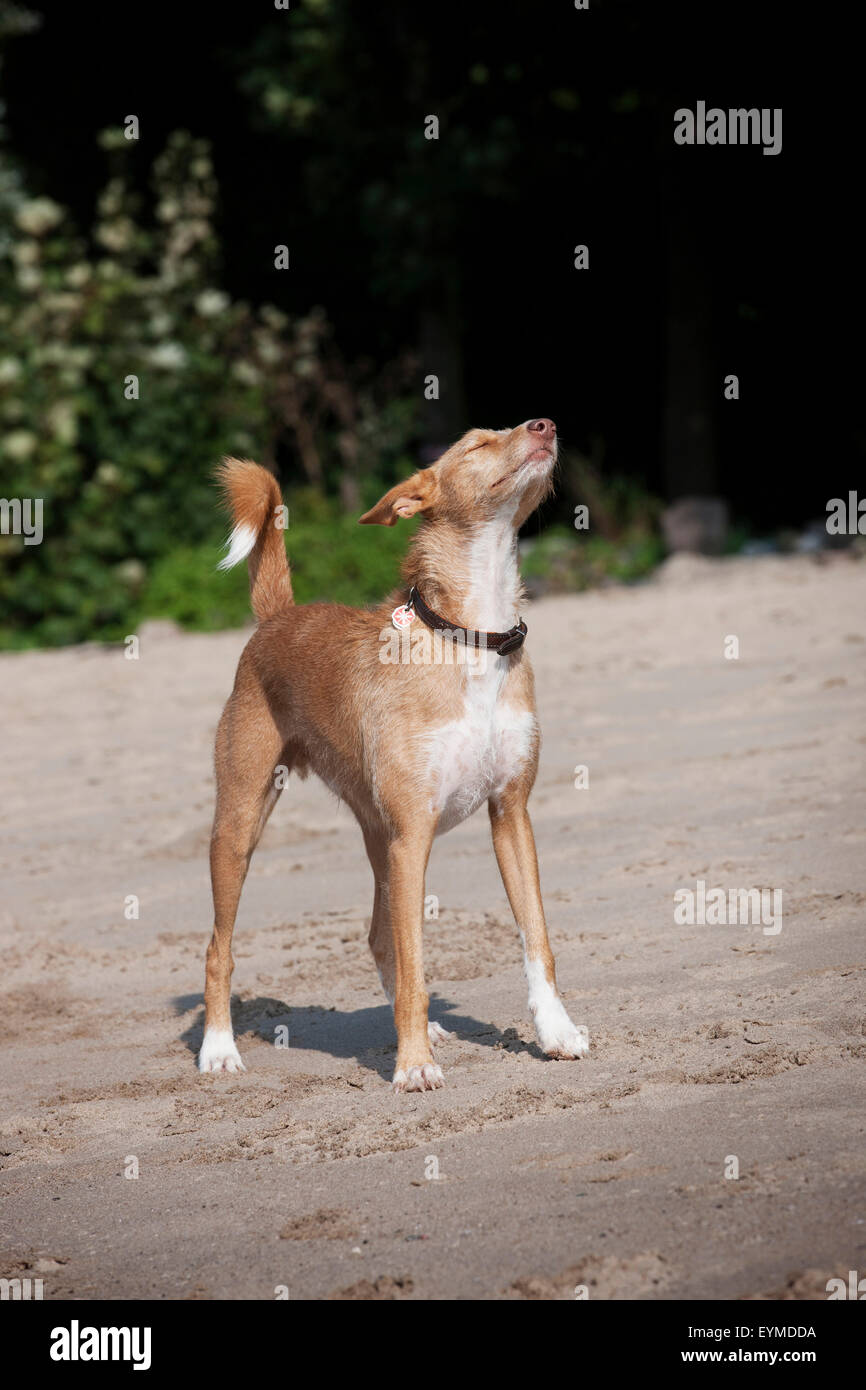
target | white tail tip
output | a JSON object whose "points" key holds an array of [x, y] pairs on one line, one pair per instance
{"points": [[240, 543]]}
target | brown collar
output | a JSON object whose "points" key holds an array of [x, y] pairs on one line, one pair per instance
{"points": [[501, 642]]}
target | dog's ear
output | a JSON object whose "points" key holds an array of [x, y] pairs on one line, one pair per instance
{"points": [[417, 494]]}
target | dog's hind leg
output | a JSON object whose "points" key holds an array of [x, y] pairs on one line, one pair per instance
{"points": [[381, 939], [248, 755]]}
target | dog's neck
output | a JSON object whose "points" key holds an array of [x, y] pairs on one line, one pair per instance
{"points": [[468, 573]]}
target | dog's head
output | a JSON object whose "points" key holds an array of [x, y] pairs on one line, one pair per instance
{"points": [[485, 474]]}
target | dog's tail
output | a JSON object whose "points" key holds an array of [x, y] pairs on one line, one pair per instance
{"points": [[253, 497]]}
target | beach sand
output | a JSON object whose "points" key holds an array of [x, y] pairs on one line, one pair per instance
{"points": [[709, 1043]]}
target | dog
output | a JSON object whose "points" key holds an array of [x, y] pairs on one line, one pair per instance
{"points": [[413, 746]]}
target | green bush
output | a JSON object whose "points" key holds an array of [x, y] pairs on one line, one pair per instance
{"points": [[125, 373], [331, 557], [574, 560]]}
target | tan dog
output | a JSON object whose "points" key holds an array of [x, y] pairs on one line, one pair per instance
{"points": [[414, 731]]}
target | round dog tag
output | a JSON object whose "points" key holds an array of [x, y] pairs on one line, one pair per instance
{"points": [[403, 616]]}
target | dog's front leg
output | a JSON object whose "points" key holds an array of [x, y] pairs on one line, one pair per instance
{"points": [[514, 844], [381, 935], [407, 863]]}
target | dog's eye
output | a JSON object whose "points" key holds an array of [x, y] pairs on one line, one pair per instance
{"points": [[473, 447]]}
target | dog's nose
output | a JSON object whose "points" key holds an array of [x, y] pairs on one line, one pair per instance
{"points": [[545, 428]]}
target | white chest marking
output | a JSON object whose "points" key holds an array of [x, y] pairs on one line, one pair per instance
{"points": [[471, 758]]}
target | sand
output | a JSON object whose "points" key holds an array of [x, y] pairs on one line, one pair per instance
{"points": [[709, 1043]]}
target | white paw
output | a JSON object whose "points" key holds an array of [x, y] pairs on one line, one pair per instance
{"points": [[568, 1043], [426, 1078], [436, 1034], [557, 1035], [218, 1052]]}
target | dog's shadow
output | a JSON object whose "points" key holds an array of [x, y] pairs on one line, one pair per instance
{"points": [[365, 1036]]}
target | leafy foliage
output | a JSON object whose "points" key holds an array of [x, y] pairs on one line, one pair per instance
{"points": [[125, 373], [565, 560], [331, 557]]}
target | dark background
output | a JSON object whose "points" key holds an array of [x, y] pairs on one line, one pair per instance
{"points": [[702, 260]]}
